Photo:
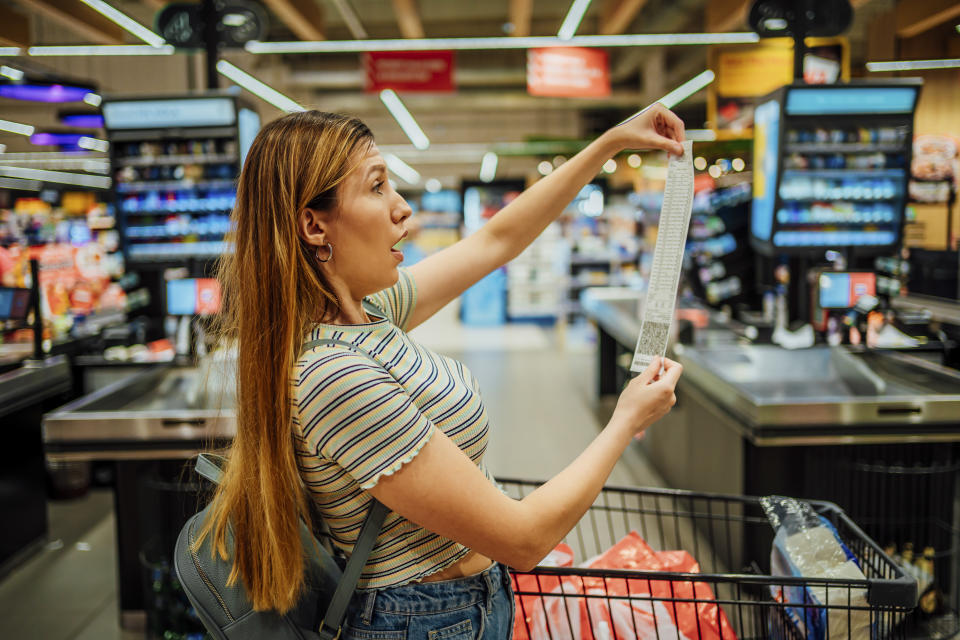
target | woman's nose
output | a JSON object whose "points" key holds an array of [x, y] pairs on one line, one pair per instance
{"points": [[402, 211]]}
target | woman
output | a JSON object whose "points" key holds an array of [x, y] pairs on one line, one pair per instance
{"points": [[316, 221]]}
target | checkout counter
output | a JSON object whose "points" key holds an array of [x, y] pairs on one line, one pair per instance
{"points": [[148, 425], [876, 432]]}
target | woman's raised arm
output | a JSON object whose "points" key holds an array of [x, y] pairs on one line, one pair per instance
{"points": [[448, 273]]}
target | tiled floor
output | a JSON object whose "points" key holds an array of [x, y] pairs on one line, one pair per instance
{"points": [[538, 388]]}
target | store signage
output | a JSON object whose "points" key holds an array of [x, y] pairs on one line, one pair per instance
{"points": [[149, 114], [568, 72], [420, 71], [745, 73], [239, 22]]}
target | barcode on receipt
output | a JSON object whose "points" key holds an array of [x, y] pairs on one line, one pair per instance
{"points": [[653, 341]]}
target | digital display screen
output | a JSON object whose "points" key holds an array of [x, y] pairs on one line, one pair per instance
{"points": [[14, 303], [193, 296], [841, 290], [150, 114], [850, 100]]}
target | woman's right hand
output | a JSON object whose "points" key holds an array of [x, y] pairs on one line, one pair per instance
{"points": [[649, 396]]}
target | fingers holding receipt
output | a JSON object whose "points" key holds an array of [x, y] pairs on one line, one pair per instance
{"points": [[658, 308]]}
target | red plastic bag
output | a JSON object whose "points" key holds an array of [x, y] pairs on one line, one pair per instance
{"points": [[561, 556]]}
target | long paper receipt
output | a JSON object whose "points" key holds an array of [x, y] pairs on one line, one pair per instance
{"points": [[667, 260]]}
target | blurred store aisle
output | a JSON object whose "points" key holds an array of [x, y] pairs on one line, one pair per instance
{"points": [[538, 386]]}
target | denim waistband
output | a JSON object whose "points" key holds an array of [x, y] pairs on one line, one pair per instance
{"points": [[433, 597]]}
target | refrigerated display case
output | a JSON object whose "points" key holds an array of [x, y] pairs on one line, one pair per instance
{"points": [[176, 160], [831, 167]]}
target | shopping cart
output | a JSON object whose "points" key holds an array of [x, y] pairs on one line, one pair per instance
{"points": [[574, 603]]}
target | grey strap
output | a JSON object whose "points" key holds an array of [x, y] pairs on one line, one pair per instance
{"points": [[331, 622], [210, 467]]}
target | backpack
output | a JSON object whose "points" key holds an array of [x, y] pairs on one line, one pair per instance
{"points": [[226, 611]]}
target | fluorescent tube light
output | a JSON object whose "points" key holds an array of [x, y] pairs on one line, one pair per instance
{"points": [[914, 65], [488, 166], [350, 19], [9, 51], [687, 89], [572, 21], [126, 22], [93, 144], [61, 177], [10, 72], [3, 148], [257, 88], [22, 185], [405, 119], [93, 99], [401, 169], [103, 50], [461, 44], [16, 127]]}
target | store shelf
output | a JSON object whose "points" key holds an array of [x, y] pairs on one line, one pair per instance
{"points": [[845, 173], [842, 200], [187, 158], [178, 212], [845, 147], [173, 185]]}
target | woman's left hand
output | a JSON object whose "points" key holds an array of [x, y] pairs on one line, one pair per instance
{"points": [[656, 127]]}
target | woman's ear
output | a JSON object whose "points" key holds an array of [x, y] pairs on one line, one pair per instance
{"points": [[312, 224]]}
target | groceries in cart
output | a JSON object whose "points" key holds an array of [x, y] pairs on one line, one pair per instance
{"points": [[590, 607], [807, 545]]}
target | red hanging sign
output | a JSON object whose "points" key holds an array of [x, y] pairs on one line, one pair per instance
{"points": [[568, 72], [424, 71]]}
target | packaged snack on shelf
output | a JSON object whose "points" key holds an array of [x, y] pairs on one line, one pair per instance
{"points": [[807, 545]]}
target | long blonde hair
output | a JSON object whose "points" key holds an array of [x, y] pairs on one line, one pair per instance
{"points": [[273, 290]]}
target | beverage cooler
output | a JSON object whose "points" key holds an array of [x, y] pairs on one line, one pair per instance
{"points": [[831, 167], [176, 161]]}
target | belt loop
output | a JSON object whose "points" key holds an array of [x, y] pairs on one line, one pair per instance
{"points": [[370, 599], [491, 589]]}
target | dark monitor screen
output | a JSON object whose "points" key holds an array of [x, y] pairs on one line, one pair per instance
{"points": [[14, 303]]}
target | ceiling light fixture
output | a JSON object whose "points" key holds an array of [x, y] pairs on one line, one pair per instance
{"points": [[350, 19], [405, 119], [462, 44], [401, 169], [9, 51], [257, 88], [913, 65], [103, 50], [572, 22], [488, 166], [21, 185], [432, 185], [93, 99], [687, 89], [16, 127], [60, 177], [14, 74], [126, 22], [93, 144]]}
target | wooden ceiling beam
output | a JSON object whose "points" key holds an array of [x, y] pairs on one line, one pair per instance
{"points": [[14, 28], [917, 16], [303, 17], [726, 15], [521, 13], [79, 18], [618, 15], [408, 18]]}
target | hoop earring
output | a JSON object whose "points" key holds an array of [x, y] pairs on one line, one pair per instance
{"points": [[317, 253]]}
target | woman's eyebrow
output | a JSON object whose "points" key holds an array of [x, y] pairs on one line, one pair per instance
{"points": [[377, 168]]}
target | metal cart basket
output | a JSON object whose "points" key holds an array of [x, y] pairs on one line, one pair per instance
{"points": [[713, 528]]}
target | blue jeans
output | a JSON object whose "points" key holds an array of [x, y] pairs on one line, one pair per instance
{"points": [[477, 607]]}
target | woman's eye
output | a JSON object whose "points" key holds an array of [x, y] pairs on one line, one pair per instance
{"points": [[378, 187]]}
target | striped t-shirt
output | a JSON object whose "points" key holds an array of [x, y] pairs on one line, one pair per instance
{"points": [[356, 423]]}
